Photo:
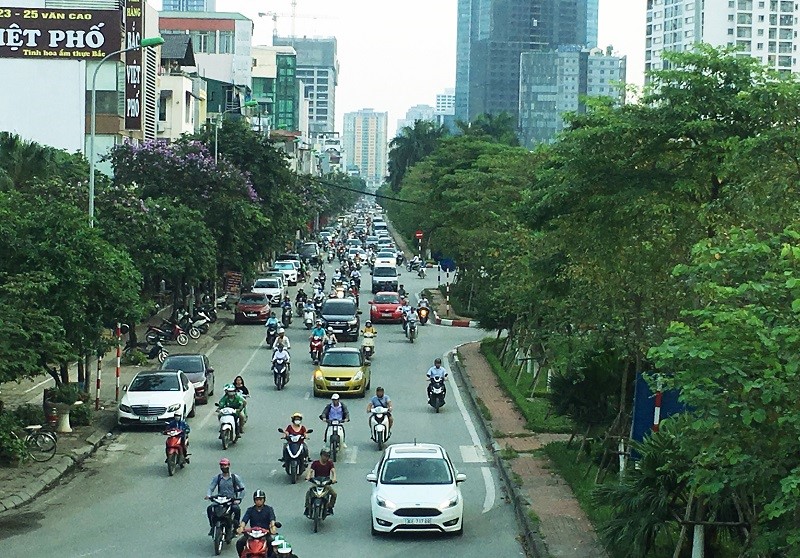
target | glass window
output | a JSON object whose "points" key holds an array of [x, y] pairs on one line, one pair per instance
{"points": [[226, 42]]}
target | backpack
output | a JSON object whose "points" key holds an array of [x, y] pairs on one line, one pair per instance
{"points": [[237, 486]]}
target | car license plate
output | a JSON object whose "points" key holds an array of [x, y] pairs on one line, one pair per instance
{"points": [[337, 384], [148, 419], [418, 520], [250, 314], [387, 314]]}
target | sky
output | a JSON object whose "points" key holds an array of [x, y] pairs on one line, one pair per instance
{"points": [[394, 55]]}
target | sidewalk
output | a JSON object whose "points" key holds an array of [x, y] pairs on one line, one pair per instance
{"points": [[562, 529]]}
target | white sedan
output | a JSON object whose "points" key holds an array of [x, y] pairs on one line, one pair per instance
{"points": [[416, 489], [153, 397], [288, 269]]}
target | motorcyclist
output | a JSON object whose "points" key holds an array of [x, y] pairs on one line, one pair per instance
{"points": [[301, 297], [414, 262], [329, 340], [280, 353], [423, 302], [322, 277], [412, 317], [296, 427], [437, 371], [281, 339], [177, 423], [260, 515], [322, 468], [405, 308], [225, 484], [369, 328], [234, 400], [402, 292], [335, 410], [380, 399], [272, 321], [286, 304], [318, 330]]}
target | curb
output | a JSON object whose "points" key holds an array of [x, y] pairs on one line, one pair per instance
{"points": [[532, 538], [61, 466], [453, 323]]}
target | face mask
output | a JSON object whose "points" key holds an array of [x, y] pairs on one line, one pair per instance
{"points": [[297, 422]]}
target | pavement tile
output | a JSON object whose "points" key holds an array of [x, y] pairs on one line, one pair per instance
{"points": [[521, 444]]}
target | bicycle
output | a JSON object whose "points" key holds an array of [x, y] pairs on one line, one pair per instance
{"points": [[39, 444]]}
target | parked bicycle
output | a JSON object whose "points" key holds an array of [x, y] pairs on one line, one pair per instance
{"points": [[39, 444]]}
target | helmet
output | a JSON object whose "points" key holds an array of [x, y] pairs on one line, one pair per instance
{"points": [[319, 322], [297, 415], [279, 346], [368, 323], [334, 397], [281, 330], [229, 387], [259, 494], [325, 452], [224, 462], [330, 330], [177, 414]]}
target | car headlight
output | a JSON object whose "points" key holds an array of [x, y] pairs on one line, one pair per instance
{"points": [[448, 503], [318, 374], [173, 408], [125, 409], [359, 376], [384, 503]]}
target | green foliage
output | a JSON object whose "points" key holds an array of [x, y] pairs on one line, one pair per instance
{"points": [[134, 358], [67, 393], [12, 448], [412, 145], [81, 415], [29, 414]]}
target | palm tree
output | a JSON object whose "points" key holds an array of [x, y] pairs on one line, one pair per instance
{"points": [[412, 144], [23, 162]]}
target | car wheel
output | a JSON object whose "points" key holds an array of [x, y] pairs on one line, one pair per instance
{"points": [[191, 413]]}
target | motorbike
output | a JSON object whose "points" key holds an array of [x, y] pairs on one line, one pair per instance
{"points": [[280, 373], [412, 265], [286, 316], [315, 349], [308, 317], [170, 331], [379, 426], [400, 258], [421, 272], [334, 434], [272, 333], [229, 430], [156, 351], [193, 325], [176, 456], [319, 300], [368, 346], [331, 256], [436, 393], [223, 529], [411, 330], [209, 311], [259, 542], [294, 460], [299, 305], [423, 315], [320, 495]]}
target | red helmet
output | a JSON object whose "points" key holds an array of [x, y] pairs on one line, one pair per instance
{"points": [[224, 462]]}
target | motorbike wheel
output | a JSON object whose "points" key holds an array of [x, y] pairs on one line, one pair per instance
{"points": [[226, 435], [436, 406], [218, 539], [162, 355], [203, 328], [295, 474], [172, 461], [334, 447], [212, 315], [380, 442], [317, 516], [194, 333], [411, 336], [279, 382], [182, 339], [151, 338]]}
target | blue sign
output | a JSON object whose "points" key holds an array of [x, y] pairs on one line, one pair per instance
{"points": [[644, 406]]}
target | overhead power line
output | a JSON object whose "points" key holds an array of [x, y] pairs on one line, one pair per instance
{"points": [[374, 195]]}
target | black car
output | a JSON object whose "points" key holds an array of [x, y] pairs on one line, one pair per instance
{"points": [[197, 369], [384, 278], [342, 315]]}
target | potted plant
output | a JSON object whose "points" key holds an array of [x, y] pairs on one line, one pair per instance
{"points": [[64, 398]]}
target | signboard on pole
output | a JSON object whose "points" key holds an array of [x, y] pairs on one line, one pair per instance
{"points": [[418, 234], [134, 33], [58, 34]]}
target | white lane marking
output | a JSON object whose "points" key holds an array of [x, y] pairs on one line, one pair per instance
{"points": [[307, 396], [488, 502], [472, 454], [273, 472], [351, 454], [212, 349], [205, 420], [43, 382], [473, 433]]}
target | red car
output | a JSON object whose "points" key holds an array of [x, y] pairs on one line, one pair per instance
{"points": [[385, 308], [252, 308]]}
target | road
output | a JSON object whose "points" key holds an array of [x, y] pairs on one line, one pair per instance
{"points": [[123, 503]]}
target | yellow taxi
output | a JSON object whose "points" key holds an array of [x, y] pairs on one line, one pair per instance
{"points": [[342, 370]]}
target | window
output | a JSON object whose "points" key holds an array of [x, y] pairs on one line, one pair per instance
{"points": [[204, 41], [759, 46], [226, 42], [162, 109]]}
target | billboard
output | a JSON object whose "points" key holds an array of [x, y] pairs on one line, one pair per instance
{"points": [[58, 33], [134, 33]]}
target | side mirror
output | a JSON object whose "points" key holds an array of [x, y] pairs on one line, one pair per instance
{"points": [[309, 431], [372, 477], [216, 404], [278, 524], [460, 477], [280, 430], [371, 302], [125, 387]]}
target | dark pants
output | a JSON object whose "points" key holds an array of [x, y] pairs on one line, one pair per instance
{"points": [[237, 514]]}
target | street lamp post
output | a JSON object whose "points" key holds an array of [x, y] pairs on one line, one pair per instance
{"points": [[144, 43], [219, 121]]}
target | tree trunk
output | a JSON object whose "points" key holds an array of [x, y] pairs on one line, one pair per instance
{"points": [[63, 369], [87, 378], [53, 374]]}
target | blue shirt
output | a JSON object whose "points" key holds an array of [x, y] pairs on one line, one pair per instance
{"points": [[380, 402], [180, 424], [434, 372], [259, 518], [318, 332], [230, 487], [272, 322], [336, 412]]}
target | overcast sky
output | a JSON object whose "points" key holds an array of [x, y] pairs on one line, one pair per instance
{"points": [[393, 55]]}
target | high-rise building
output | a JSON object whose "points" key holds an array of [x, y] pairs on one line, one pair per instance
{"points": [[553, 82], [189, 5], [764, 29], [365, 145], [446, 102], [417, 112], [318, 68], [491, 35]]}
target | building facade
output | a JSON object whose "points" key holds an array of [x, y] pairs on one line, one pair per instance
{"points": [[182, 95], [446, 102], [492, 34], [365, 145], [417, 112], [764, 29], [276, 87], [318, 69], [552, 83], [189, 5]]}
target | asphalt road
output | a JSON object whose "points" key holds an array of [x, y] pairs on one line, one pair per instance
{"points": [[123, 503]]}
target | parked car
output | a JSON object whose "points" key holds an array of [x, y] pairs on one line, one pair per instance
{"points": [[342, 315], [416, 489], [198, 370], [272, 287], [385, 308], [154, 396], [342, 370], [252, 308], [310, 251], [288, 269]]}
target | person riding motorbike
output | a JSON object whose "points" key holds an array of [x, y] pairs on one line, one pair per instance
{"points": [[423, 302], [234, 400], [296, 427], [281, 339], [322, 468], [335, 410], [405, 308], [402, 292], [322, 277], [225, 484], [411, 317], [369, 328], [286, 304], [272, 321], [355, 277], [259, 515], [380, 399], [281, 353], [329, 340], [238, 383], [437, 371], [318, 331], [177, 423]]}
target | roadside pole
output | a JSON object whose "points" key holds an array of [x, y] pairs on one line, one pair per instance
{"points": [[119, 358], [97, 385]]}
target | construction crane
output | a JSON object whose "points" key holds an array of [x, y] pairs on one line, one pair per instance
{"points": [[293, 15]]}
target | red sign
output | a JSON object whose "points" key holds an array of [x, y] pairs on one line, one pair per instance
{"points": [[418, 234]]}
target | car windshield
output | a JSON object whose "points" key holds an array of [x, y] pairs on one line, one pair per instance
{"points": [[186, 363], [284, 265], [385, 255], [155, 382], [416, 470], [334, 358], [384, 272], [387, 299], [266, 284], [339, 308], [253, 299]]}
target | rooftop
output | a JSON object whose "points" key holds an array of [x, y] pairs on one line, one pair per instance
{"points": [[204, 15]]}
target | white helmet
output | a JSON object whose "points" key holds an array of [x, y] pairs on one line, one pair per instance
{"points": [[281, 330]]}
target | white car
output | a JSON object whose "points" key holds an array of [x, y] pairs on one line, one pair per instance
{"points": [[288, 269], [272, 287], [153, 397], [385, 257], [416, 489]]}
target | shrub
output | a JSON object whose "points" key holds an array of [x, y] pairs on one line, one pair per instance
{"points": [[12, 448], [29, 414], [66, 393], [134, 358], [81, 415]]}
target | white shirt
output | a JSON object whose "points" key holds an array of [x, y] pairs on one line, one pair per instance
{"points": [[284, 341]]}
